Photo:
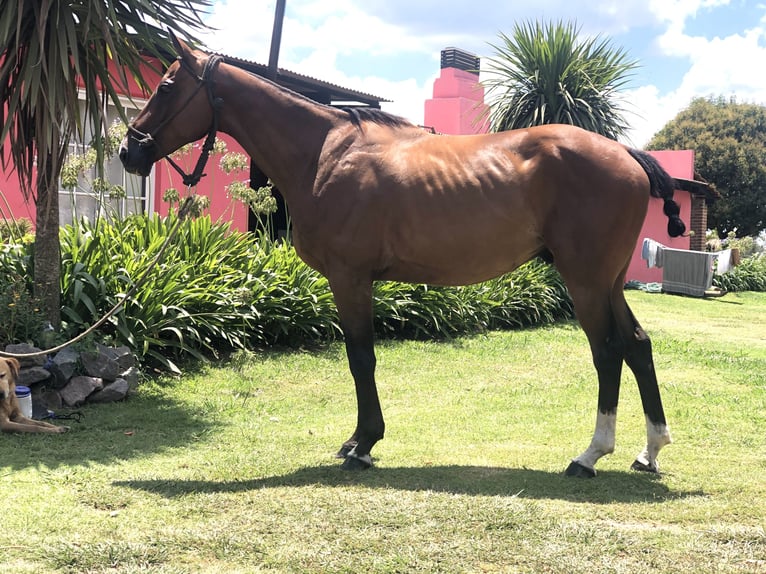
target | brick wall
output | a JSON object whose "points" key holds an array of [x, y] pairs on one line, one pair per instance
{"points": [[698, 223]]}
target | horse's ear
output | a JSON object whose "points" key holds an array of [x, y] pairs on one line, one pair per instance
{"points": [[181, 47]]}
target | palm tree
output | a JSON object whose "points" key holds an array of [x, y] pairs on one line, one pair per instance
{"points": [[543, 74], [51, 49]]}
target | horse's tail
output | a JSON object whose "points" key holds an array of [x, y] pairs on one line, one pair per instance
{"points": [[661, 185]]}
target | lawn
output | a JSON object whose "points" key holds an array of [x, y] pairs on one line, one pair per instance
{"points": [[230, 469]]}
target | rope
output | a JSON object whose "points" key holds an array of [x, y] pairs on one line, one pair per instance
{"points": [[183, 211]]}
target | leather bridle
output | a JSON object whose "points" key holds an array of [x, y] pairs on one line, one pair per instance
{"points": [[147, 140]]}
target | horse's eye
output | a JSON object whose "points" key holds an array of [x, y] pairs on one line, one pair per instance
{"points": [[166, 86]]}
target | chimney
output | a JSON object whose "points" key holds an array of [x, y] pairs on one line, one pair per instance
{"points": [[460, 59]]}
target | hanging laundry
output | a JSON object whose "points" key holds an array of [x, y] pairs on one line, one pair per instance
{"points": [[651, 251]]}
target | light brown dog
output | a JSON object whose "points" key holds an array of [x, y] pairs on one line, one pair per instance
{"points": [[11, 419]]}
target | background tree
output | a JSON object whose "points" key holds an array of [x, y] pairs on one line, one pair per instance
{"points": [[729, 141], [546, 74], [50, 50]]}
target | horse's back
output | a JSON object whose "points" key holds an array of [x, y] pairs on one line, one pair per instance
{"points": [[460, 209]]}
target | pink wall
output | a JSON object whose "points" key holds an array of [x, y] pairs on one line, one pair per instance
{"points": [[457, 104], [213, 185], [678, 164]]}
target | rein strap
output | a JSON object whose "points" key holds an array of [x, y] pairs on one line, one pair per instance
{"points": [[192, 179]]}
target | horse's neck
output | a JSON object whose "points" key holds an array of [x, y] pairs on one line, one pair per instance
{"points": [[282, 132]]}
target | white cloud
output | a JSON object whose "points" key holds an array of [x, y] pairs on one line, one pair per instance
{"points": [[676, 12], [318, 34], [718, 66]]}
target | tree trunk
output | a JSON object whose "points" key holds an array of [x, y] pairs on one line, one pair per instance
{"points": [[47, 258]]}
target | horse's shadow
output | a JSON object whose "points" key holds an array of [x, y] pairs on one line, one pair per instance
{"points": [[607, 487]]}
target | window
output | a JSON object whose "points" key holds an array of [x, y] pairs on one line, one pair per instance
{"points": [[92, 199]]}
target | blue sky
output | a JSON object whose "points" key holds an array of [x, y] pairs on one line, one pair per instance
{"points": [[391, 48]]}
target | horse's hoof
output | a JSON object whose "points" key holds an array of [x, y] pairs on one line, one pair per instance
{"points": [[644, 467], [354, 462], [580, 471]]}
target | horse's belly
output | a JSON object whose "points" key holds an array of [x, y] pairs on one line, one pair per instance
{"points": [[459, 256]]}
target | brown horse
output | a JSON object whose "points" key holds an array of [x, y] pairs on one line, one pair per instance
{"points": [[373, 197]]}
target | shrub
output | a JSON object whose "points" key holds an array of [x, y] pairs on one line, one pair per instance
{"points": [[188, 304], [534, 293], [217, 289], [749, 275], [20, 318]]}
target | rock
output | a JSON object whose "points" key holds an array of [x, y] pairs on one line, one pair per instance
{"points": [[125, 359], [112, 373], [102, 363], [31, 375], [24, 349], [112, 392], [79, 389], [63, 367], [132, 375], [48, 400]]}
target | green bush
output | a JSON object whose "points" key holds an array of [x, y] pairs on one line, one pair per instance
{"points": [[534, 293], [217, 289], [749, 275], [190, 303]]}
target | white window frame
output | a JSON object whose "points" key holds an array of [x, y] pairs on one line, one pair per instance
{"points": [[146, 199]]}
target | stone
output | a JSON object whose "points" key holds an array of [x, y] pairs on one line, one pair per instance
{"points": [[48, 399], [115, 391], [67, 360], [79, 389], [132, 375], [32, 375], [63, 367], [24, 349], [123, 356], [101, 363]]}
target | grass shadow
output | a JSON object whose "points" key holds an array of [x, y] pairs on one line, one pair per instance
{"points": [[608, 487], [141, 425]]}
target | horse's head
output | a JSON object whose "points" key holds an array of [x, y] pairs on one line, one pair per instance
{"points": [[179, 112]]}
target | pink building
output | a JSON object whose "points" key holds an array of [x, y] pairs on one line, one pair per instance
{"points": [[457, 107]]}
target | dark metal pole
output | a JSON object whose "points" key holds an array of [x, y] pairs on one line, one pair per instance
{"points": [[276, 38]]}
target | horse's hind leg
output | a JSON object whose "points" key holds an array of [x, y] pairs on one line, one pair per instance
{"points": [[638, 356], [594, 313], [353, 297]]}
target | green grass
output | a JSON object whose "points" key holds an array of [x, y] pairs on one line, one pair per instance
{"points": [[230, 469]]}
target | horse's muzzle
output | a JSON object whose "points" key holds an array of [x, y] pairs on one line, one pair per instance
{"points": [[136, 158]]}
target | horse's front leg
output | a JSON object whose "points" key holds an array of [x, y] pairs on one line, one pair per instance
{"points": [[353, 297]]}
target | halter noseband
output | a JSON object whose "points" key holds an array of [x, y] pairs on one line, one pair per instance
{"points": [[147, 139]]}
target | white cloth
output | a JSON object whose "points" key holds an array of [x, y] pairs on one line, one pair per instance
{"points": [[724, 262], [651, 251]]}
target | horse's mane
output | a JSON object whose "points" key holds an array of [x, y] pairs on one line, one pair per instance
{"points": [[359, 115]]}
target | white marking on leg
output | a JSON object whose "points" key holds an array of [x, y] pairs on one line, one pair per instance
{"points": [[365, 458], [657, 436], [602, 442]]}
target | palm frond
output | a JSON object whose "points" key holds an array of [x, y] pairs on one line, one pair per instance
{"points": [[544, 73], [53, 49]]}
